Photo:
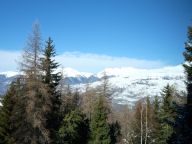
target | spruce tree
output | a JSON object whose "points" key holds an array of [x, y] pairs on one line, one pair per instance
{"points": [[99, 128], [167, 114], [51, 79], [156, 126], [6, 113], [115, 132], [49, 66], [187, 132], [74, 128]]}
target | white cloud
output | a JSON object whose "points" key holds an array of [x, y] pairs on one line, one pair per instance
{"points": [[8, 60], [81, 61], [94, 62]]}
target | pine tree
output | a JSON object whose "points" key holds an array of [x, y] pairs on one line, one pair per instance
{"points": [[115, 132], [74, 128], [167, 114], [6, 112], [187, 132], [70, 100], [49, 66], [104, 88], [52, 79], [99, 128], [156, 126], [36, 99]]}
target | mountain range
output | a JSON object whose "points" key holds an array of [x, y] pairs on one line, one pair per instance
{"points": [[128, 84]]}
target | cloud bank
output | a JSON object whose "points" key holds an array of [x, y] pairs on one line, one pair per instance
{"points": [[9, 60], [94, 62], [88, 62]]}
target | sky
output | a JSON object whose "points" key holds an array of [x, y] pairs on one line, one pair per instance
{"points": [[90, 35]]}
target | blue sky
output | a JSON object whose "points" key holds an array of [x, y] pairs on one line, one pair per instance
{"points": [[141, 30]]}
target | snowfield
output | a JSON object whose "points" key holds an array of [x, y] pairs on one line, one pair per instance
{"points": [[129, 84]]}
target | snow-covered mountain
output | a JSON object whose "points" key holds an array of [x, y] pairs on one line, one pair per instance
{"points": [[131, 84], [128, 84], [5, 79]]}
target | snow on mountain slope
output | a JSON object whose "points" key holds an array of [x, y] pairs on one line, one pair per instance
{"points": [[140, 73], [128, 84], [69, 72], [131, 84]]}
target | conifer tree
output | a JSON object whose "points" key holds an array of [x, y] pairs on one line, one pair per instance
{"points": [[74, 128], [88, 101], [156, 127], [49, 66], [51, 79], [6, 113], [115, 132], [187, 134], [37, 101], [167, 114], [70, 100], [99, 128]]}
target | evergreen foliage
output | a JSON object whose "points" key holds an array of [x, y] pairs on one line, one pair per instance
{"points": [[51, 79], [6, 112], [34, 111], [36, 97], [49, 66], [99, 128], [187, 134], [156, 130], [74, 128], [167, 114], [115, 132]]}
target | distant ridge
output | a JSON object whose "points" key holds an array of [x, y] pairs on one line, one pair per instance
{"points": [[129, 84]]}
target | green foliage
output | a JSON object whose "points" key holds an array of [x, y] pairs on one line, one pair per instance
{"points": [[74, 128], [52, 79], [183, 125], [6, 113], [35, 98], [187, 134], [100, 130], [167, 114], [31, 110], [156, 130], [49, 65], [115, 132]]}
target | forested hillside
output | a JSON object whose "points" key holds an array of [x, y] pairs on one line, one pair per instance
{"points": [[39, 108]]}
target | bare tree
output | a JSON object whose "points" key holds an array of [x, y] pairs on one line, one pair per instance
{"points": [[37, 97], [88, 99], [141, 114], [146, 121], [105, 87]]}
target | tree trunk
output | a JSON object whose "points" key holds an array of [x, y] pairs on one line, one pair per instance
{"points": [[146, 127], [141, 123]]}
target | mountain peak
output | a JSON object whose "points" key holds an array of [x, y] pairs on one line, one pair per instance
{"points": [[69, 72]]}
